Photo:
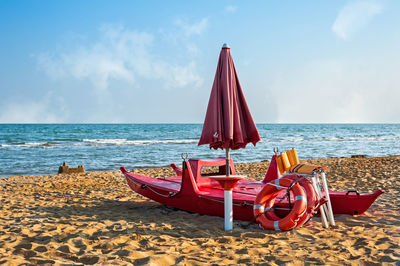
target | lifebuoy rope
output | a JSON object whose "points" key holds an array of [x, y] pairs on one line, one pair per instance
{"points": [[290, 187], [296, 181]]}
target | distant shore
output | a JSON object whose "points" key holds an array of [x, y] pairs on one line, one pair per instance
{"points": [[95, 218]]}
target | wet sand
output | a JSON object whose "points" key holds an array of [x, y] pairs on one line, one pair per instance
{"points": [[94, 218]]}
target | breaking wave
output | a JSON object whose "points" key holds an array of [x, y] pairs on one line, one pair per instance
{"points": [[125, 142], [298, 139], [29, 144]]}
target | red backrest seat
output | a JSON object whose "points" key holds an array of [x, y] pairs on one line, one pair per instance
{"points": [[203, 180]]}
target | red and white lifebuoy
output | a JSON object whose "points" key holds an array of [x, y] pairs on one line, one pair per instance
{"points": [[312, 200], [266, 198]]}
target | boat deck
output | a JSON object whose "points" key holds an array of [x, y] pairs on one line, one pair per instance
{"points": [[244, 190]]}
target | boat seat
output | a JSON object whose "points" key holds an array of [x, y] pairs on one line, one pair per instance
{"points": [[201, 178]]}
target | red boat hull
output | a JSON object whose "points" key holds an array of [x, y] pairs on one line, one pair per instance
{"points": [[205, 196], [208, 201], [352, 202]]}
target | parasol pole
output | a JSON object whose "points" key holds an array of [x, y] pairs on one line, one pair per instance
{"points": [[227, 166], [228, 206]]}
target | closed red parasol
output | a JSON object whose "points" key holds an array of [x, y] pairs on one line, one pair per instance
{"points": [[228, 123]]}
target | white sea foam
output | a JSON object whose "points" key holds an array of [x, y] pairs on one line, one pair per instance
{"points": [[299, 139], [27, 144], [362, 138], [125, 142]]}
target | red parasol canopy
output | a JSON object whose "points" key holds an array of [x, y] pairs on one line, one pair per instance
{"points": [[228, 123]]}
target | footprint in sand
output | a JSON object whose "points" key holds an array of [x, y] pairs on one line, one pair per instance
{"points": [[27, 253], [242, 251], [122, 253], [40, 249], [142, 261], [89, 260]]}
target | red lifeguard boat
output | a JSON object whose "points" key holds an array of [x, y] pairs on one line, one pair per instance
{"points": [[192, 190]]}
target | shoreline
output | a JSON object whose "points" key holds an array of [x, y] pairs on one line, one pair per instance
{"points": [[94, 218], [146, 168]]}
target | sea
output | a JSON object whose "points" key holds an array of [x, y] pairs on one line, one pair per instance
{"points": [[27, 149]]}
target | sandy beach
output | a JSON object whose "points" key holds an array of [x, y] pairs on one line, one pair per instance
{"points": [[94, 218]]}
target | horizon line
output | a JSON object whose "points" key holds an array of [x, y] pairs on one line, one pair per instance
{"points": [[198, 123]]}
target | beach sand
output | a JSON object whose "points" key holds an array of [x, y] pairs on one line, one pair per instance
{"points": [[94, 218]]}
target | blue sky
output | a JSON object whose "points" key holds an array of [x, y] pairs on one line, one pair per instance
{"points": [[155, 61]]}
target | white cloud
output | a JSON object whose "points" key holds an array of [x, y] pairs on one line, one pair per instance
{"points": [[120, 54], [334, 91], [47, 110], [354, 16], [27, 112], [50, 66], [192, 29], [230, 9], [183, 76]]}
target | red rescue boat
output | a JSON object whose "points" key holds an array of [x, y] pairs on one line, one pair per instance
{"points": [[191, 190]]}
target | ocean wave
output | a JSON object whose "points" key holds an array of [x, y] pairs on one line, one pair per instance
{"points": [[28, 144], [125, 142], [360, 138], [298, 139]]}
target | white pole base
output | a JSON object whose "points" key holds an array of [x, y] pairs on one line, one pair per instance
{"points": [[330, 211], [321, 209], [228, 210]]}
